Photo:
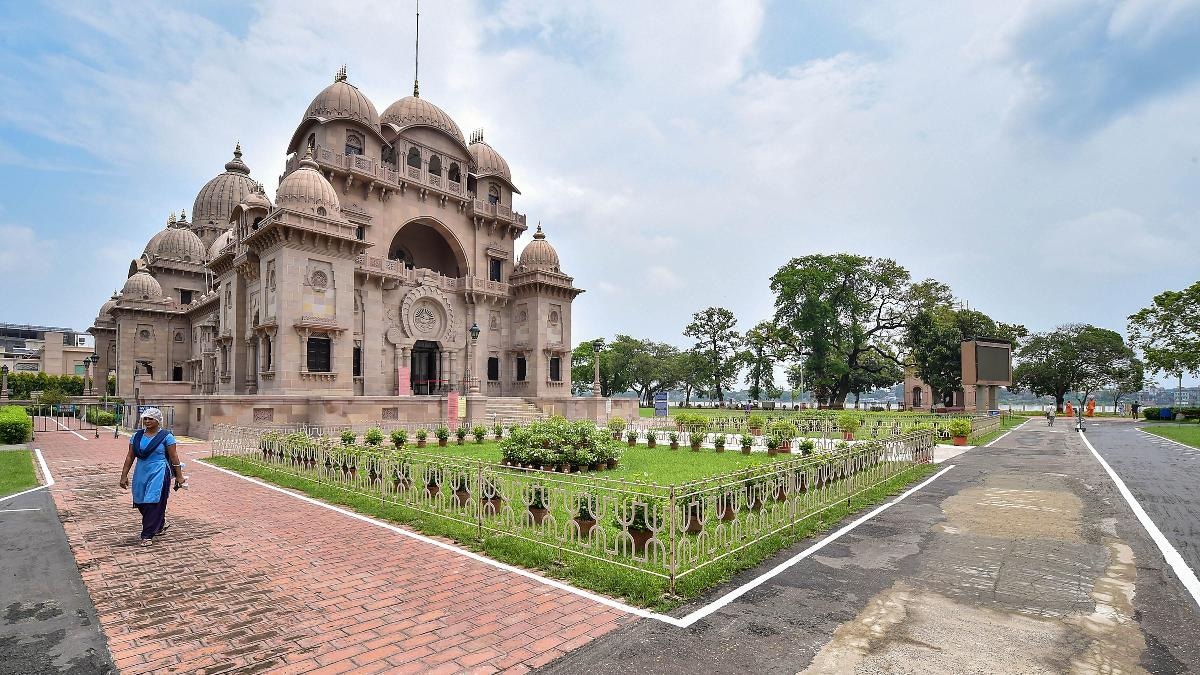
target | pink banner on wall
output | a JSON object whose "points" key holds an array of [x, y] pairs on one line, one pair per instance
{"points": [[403, 381], [452, 405]]}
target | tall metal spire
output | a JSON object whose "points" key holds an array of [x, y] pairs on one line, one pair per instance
{"points": [[417, 55]]}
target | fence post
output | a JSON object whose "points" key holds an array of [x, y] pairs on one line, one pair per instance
{"points": [[479, 500], [671, 552]]}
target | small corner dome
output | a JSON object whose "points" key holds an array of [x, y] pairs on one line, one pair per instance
{"points": [[539, 254], [175, 243], [488, 162], [339, 101], [305, 189], [216, 199], [141, 286], [106, 308], [219, 244], [412, 111]]}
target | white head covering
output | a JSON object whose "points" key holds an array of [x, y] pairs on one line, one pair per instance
{"points": [[154, 414]]}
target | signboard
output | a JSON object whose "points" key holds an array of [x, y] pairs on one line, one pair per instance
{"points": [[660, 404], [986, 362]]}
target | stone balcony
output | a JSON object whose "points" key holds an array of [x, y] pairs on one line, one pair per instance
{"points": [[369, 169], [394, 269]]}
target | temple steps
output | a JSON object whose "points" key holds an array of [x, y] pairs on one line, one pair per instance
{"points": [[509, 409]]}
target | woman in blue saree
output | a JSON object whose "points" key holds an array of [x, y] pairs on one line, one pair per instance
{"points": [[154, 449]]}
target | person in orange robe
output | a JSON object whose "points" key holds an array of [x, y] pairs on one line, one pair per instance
{"points": [[1070, 410], [1091, 407]]}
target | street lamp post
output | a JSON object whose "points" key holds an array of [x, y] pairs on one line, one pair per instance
{"points": [[597, 345], [473, 386], [91, 362]]}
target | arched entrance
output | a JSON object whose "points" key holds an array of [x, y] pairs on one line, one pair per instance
{"points": [[429, 245], [424, 367], [917, 401]]}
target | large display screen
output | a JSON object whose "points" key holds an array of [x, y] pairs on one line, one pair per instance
{"points": [[992, 363]]}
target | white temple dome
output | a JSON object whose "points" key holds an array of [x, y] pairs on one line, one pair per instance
{"points": [[539, 254], [141, 286], [305, 189], [412, 111], [175, 243], [488, 162], [216, 199]]}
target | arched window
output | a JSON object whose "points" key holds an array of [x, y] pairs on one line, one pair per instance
{"points": [[493, 193], [312, 141], [455, 175], [387, 154], [321, 211], [354, 144], [414, 157], [435, 166]]}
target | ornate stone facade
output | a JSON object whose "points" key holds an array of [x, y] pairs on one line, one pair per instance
{"points": [[390, 236]]}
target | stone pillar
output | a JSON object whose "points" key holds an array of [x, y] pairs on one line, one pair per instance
{"points": [[993, 392], [452, 374], [476, 408], [981, 398], [403, 371]]}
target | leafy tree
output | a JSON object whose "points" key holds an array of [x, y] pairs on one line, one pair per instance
{"points": [[1129, 379], [582, 370], [934, 340], [718, 342], [760, 356], [845, 314], [1075, 357], [877, 373], [645, 366], [1168, 332], [693, 374]]}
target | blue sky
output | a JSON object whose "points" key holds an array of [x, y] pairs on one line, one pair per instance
{"points": [[1043, 158]]}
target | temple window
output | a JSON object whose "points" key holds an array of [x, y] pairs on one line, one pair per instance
{"points": [[357, 361], [454, 174], [387, 154], [435, 166], [312, 142], [354, 144], [493, 368], [177, 373], [494, 266], [321, 211], [493, 193], [522, 369], [414, 158], [185, 296], [318, 355]]}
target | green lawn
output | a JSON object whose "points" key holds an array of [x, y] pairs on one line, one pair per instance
{"points": [[631, 586], [1188, 435], [660, 465], [16, 471], [1007, 423]]}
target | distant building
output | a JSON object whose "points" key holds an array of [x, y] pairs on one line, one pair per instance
{"points": [[1187, 396], [44, 349]]}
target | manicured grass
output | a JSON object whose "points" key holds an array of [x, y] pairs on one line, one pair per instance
{"points": [[632, 587], [1007, 423], [660, 464], [1188, 435], [16, 471]]}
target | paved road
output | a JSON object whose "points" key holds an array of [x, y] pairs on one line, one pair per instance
{"points": [[1163, 476], [48, 623], [250, 580], [1022, 558]]}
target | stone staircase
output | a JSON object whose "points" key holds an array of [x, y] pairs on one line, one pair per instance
{"points": [[509, 409]]}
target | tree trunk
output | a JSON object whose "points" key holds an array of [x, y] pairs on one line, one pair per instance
{"points": [[1058, 402]]}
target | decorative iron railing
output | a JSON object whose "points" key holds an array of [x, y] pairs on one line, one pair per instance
{"points": [[872, 426], [667, 531]]}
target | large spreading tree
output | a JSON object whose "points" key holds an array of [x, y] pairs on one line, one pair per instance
{"points": [[718, 342], [845, 315], [1077, 358], [760, 355], [934, 340], [1168, 332]]}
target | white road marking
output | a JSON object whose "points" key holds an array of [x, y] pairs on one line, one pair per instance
{"points": [[745, 588], [16, 510], [1001, 436], [1156, 437], [45, 469], [23, 492], [636, 611], [1185, 574], [64, 428]]}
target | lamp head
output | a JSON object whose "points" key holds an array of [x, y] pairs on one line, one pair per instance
{"points": [[474, 331]]}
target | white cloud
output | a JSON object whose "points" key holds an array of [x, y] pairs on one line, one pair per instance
{"points": [[25, 258]]}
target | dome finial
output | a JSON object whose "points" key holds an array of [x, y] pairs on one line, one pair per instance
{"points": [[171, 219], [417, 55], [341, 74], [182, 216], [539, 234], [308, 161], [477, 136], [236, 165], [237, 150]]}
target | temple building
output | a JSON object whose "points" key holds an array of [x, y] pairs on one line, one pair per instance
{"points": [[355, 293]]}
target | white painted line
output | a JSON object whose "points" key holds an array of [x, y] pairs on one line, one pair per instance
{"points": [[45, 469], [16, 510], [64, 428], [742, 590], [1169, 440], [449, 547], [1001, 436], [23, 492], [1185, 574]]}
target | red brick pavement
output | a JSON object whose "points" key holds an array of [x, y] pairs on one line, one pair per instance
{"points": [[252, 580]]}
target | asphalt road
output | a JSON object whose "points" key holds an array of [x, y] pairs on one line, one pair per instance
{"points": [[1162, 475], [1022, 558], [47, 621]]}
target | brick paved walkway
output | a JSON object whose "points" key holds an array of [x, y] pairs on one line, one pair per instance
{"points": [[252, 580]]}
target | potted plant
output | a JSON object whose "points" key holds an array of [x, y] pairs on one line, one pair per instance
{"points": [[536, 501], [693, 509], [491, 495], [755, 488], [631, 437], [640, 517], [462, 489], [479, 432], [373, 436], [772, 446], [727, 506], [960, 429], [421, 436], [612, 455], [849, 423], [401, 474], [674, 438], [756, 423], [697, 431], [585, 515], [807, 446], [348, 437], [461, 434], [616, 425], [443, 435], [433, 480], [784, 431], [719, 442], [498, 431], [399, 438], [746, 440], [651, 438]]}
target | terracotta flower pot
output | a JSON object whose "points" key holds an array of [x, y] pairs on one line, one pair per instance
{"points": [[442, 442], [421, 442], [719, 448], [538, 514], [695, 446], [745, 451], [461, 497], [491, 506], [582, 468], [640, 539], [727, 508], [462, 441], [612, 464], [432, 490], [632, 443], [674, 445], [695, 519], [960, 440], [596, 466], [781, 494], [651, 444], [585, 526]]}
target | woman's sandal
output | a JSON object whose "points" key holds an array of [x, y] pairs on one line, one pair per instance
{"points": [[164, 529]]}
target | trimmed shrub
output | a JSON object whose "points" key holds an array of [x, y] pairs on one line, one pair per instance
{"points": [[373, 436], [16, 426], [959, 427]]}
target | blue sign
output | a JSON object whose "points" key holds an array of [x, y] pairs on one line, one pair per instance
{"points": [[660, 404]]}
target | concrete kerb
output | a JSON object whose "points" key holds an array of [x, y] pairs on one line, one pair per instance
{"points": [[1164, 438]]}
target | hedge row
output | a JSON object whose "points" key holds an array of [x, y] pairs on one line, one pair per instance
{"points": [[16, 426], [1168, 413], [23, 383]]}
